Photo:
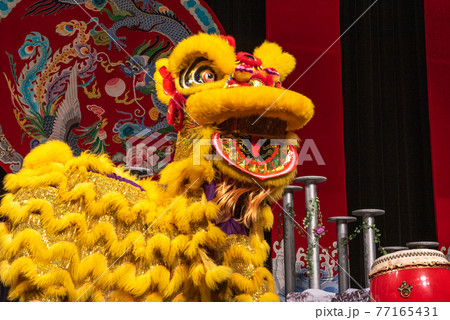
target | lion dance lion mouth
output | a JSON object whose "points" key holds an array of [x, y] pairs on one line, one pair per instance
{"points": [[81, 229]]}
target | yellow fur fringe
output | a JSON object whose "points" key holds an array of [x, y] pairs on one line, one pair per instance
{"points": [[212, 47], [218, 105], [272, 56], [107, 245]]}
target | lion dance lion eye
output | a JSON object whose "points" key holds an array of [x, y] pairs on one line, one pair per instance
{"points": [[199, 72], [202, 74], [208, 76]]}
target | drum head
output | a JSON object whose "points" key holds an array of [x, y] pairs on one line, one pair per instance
{"points": [[404, 258]]}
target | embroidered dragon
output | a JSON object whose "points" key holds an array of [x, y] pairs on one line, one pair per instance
{"points": [[47, 105]]}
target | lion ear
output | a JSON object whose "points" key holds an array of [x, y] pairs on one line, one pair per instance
{"points": [[272, 56], [160, 66]]}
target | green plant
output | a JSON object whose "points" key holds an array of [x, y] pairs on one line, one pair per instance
{"points": [[313, 210], [365, 225]]}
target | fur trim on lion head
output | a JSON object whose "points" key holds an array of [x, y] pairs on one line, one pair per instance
{"points": [[234, 106]]}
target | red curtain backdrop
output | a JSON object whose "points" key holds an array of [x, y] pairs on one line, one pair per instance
{"points": [[437, 31], [307, 29]]}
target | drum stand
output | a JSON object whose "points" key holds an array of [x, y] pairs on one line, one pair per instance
{"points": [[310, 183], [368, 218], [342, 248], [289, 238], [393, 249], [423, 245]]}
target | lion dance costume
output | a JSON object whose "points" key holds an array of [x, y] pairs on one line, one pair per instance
{"points": [[81, 229]]}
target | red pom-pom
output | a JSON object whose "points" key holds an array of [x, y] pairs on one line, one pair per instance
{"points": [[168, 83], [230, 40], [249, 59], [175, 110]]}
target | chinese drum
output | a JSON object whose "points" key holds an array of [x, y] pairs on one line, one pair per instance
{"points": [[410, 276]]}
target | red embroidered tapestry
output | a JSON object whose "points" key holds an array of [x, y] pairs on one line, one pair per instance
{"points": [[81, 71]]}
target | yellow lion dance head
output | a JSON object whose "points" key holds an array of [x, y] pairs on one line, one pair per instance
{"points": [[232, 105]]}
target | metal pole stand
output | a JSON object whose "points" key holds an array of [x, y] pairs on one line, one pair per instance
{"points": [[289, 238], [310, 183], [342, 249], [370, 254]]}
